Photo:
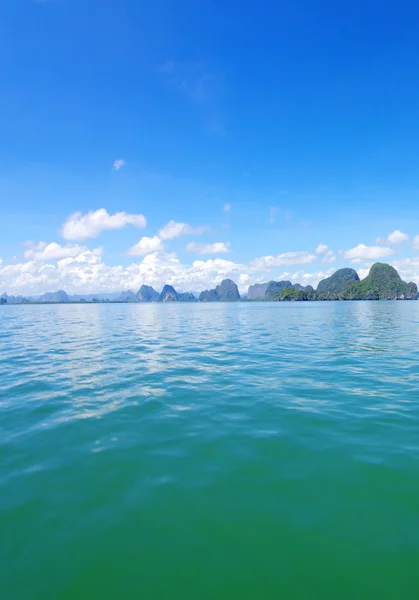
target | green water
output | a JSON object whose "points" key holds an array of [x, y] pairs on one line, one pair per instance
{"points": [[209, 451]]}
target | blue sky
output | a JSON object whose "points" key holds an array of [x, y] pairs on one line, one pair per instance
{"points": [[301, 116]]}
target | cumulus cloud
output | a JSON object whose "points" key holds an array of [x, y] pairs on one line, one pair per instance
{"points": [[408, 268], [215, 248], [329, 257], [117, 164], [416, 242], [322, 248], [363, 253], [307, 278], [88, 273], [227, 208], [52, 251], [266, 263], [394, 238], [78, 227], [174, 229], [145, 246]]}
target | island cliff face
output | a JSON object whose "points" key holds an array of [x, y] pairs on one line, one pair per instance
{"points": [[257, 291], [275, 288], [168, 294], [227, 291]]}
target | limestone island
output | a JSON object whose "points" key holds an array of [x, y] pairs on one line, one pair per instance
{"points": [[382, 283]]}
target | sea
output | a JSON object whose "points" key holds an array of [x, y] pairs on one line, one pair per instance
{"points": [[253, 450]]}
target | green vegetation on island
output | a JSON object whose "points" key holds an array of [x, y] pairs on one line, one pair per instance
{"points": [[292, 294], [331, 287], [382, 283]]}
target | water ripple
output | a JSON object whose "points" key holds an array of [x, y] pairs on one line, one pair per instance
{"points": [[285, 411]]}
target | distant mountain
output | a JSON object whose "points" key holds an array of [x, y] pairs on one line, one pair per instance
{"points": [[227, 291], [187, 297], [274, 289], [147, 294], [169, 294], [331, 287], [12, 299], [208, 296], [382, 283], [60, 296], [127, 296]]}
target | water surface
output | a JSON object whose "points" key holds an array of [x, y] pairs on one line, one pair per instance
{"points": [[253, 450]]}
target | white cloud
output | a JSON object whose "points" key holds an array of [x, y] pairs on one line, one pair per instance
{"points": [[362, 253], [416, 242], [322, 248], [52, 251], [78, 227], [266, 263], [408, 268], [307, 278], [88, 273], [394, 238], [227, 208], [215, 248], [117, 164], [174, 229], [145, 246], [329, 257]]}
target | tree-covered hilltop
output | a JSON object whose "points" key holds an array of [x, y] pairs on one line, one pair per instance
{"points": [[306, 288], [331, 287], [382, 283], [293, 294], [274, 289]]}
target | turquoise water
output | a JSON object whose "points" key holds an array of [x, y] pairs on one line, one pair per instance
{"points": [[259, 450]]}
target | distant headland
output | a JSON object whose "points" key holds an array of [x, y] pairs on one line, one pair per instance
{"points": [[382, 283]]}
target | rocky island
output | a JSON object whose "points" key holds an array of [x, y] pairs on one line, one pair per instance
{"points": [[382, 283]]}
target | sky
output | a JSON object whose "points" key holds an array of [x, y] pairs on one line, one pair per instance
{"points": [[185, 141]]}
